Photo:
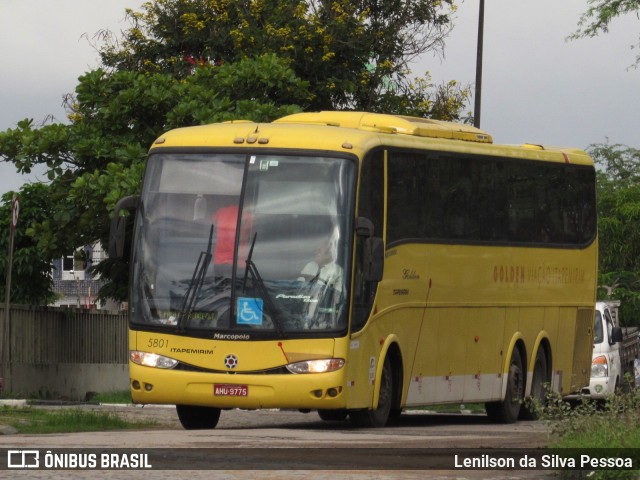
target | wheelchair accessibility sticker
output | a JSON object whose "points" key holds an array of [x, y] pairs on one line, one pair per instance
{"points": [[250, 311]]}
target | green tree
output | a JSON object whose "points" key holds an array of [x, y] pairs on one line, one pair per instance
{"points": [[98, 157], [355, 54], [598, 17], [619, 226], [189, 62], [32, 282]]}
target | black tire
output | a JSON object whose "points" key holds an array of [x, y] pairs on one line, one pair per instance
{"points": [[198, 418], [532, 404], [617, 389], [333, 415], [395, 413], [508, 410], [380, 416]]}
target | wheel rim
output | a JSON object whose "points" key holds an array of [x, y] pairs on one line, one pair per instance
{"points": [[385, 397], [539, 378], [516, 382], [386, 390]]}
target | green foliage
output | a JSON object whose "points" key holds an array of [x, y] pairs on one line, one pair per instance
{"points": [[588, 424], [600, 14], [592, 424], [190, 62], [623, 286], [99, 157], [421, 98], [32, 282], [353, 53], [619, 226]]}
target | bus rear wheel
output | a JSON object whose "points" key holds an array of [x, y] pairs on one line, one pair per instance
{"points": [[507, 411], [533, 404], [198, 418], [380, 416]]}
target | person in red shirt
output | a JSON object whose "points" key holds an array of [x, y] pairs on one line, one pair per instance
{"points": [[226, 222]]}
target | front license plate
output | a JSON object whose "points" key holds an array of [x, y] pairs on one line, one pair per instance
{"points": [[228, 390]]}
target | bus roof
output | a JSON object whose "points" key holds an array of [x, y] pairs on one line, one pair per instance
{"points": [[357, 132], [383, 123]]}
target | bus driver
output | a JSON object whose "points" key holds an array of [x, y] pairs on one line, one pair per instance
{"points": [[323, 279]]}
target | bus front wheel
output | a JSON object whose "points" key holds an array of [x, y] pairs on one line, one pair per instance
{"points": [[507, 411], [380, 416], [333, 415], [198, 418]]}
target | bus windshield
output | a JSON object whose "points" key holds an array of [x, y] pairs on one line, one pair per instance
{"points": [[235, 245]]}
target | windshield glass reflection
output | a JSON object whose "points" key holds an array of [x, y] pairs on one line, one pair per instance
{"points": [[235, 243]]}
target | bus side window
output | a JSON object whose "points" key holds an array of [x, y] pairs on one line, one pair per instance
{"points": [[370, 206]]}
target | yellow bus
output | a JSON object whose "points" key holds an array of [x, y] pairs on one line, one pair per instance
{"points": [[358, 264]]}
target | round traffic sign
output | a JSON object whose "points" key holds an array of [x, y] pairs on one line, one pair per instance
{"points": [[15, 212]]}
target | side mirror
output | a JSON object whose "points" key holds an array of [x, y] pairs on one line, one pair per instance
{"points": [[364, 227], [373, 255], [118, 230], [373, 259], [616, 335]]}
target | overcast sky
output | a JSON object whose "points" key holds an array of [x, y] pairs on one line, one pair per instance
{"points": [[537, 87]]}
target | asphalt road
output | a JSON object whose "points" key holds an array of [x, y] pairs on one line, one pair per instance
{"points": [[289, 444]]}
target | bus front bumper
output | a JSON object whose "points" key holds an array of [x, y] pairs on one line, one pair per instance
{"points": [[250, 391]]}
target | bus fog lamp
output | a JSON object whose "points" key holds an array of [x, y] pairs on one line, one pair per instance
{"points": [[152, 359], [316, 366]]}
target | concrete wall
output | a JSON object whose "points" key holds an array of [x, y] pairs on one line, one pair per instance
{"points": [[68, 381], [63, 353]]}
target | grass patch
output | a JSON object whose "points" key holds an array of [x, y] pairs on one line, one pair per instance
{"points": [[112, 397], [588, 424], [613, 423], [40, 420]]}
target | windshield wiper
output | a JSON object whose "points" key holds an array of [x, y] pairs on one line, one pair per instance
{"points": [[191, 296], [262, 289]]}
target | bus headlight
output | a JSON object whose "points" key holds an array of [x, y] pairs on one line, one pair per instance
{"points": [[151, 359], [600, 367], [316, 366]]}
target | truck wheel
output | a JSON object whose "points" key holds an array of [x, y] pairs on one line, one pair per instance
{"points": [[507, 411], [379, 416], [198, 418]]}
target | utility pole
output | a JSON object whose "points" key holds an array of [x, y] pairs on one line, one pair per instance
{"points": [[478, 94]]}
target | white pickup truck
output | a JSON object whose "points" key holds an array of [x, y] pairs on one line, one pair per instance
{"points": [[606, 370]]}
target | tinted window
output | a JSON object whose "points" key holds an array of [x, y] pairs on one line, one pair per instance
{"points": [[598, 333], [446, 197], [371, 206]]}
